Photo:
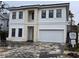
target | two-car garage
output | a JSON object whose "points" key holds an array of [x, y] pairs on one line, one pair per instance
{"points": [[51, 35]]}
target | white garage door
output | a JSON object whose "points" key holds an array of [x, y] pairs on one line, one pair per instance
{"points": [[51, 36]]}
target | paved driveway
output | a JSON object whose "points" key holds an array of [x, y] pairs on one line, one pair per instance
{"points": [[35, 50]]}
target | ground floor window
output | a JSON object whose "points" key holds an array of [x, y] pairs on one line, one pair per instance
{"points": [[13, 32], [20, 32]]}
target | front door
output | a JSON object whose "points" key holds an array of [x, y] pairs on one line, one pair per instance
{"points": [[30, 33]]}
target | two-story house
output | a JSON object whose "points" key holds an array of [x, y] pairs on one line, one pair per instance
{"points": [[45, 23]]}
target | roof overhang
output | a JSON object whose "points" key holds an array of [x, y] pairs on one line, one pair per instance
{"points": [[39, 6]]}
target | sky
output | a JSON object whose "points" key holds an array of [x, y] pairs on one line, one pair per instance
{"points": [[74, 5]]}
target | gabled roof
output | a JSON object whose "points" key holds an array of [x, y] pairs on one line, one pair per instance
{"points": [[39, 6]]}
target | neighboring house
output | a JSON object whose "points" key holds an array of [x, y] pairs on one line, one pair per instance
{"points": [[4, 19], [78, 32], [46, 23]]}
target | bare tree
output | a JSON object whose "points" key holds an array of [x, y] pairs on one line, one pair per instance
{"points": [[3, 6], [71, 16]]}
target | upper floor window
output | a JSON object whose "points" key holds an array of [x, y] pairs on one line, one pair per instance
{"points": [[50, 13], [59, 13], [32, 15], [43, 14], [13, 32], [20, 15], [13, 15], [20, 32]]}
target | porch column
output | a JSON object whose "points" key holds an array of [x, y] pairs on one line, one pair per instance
{"points": [[25, 24], [35, 25]]}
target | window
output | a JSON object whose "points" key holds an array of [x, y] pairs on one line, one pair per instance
{"points": [[13, 32], [14, 15], [43, 14], [32, 15], [20, 32], [50, 13], [20, 15], [58, 13], [7, 24]]}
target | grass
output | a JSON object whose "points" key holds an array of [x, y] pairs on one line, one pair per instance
{"points": [[76, 49]]}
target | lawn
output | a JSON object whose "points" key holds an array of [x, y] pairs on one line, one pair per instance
{"points": [[75, 49]]}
